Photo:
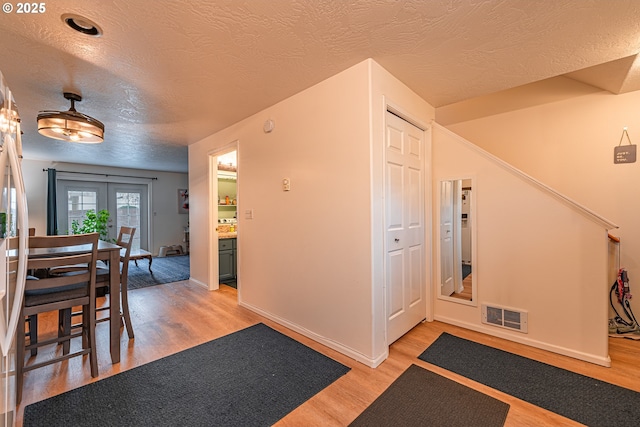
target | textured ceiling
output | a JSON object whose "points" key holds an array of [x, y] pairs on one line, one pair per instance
{"points": [[170, 72]]}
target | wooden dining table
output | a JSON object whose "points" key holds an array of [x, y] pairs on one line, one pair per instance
{"points": [[107, 252]]}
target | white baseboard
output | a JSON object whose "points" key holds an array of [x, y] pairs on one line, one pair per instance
{"points": [[522, 339], [199, 283], [349, 352]]}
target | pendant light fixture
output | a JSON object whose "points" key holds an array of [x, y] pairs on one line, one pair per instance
{"points": [[71, 125]]}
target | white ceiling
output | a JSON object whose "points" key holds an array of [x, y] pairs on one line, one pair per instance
{"points": [[167, 73]]}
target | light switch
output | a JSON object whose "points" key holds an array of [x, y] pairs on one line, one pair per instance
{"points": [[286, 184], [248, 214]]}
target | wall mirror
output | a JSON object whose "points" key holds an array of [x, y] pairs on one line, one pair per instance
{"points": [[457, 241]]}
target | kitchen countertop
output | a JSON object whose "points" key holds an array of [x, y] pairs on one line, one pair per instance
{"points": [[228, 235]]}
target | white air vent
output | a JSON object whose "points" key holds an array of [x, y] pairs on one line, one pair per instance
{"points": [[504, 317]]}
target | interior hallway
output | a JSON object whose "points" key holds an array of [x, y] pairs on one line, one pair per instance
{"points": [[172, 317]]}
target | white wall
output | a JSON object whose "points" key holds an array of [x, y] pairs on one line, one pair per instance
{"points": [[535, 252], [307, 258], [304, 259], [563, 133], [167, 225]]}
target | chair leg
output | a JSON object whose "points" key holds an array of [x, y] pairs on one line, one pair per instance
{"points": [[20, 348], [89, 326], [33, 333], [125, 310], [64, 328]]}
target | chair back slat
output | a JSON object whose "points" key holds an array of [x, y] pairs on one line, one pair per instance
{"points": [[79, 249], [58, 281], [54, 261], [62, 241]]}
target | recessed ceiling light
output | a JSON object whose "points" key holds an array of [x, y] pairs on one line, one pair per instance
{"points": [[82, 25]]}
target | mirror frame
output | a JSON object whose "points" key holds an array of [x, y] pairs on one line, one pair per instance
{"points": [[474, 242]]}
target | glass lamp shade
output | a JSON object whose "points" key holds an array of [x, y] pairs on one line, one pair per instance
{"points": [[70, 126], [8, 120]]}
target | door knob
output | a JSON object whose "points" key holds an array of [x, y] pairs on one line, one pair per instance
{"points": [[397, 240]]}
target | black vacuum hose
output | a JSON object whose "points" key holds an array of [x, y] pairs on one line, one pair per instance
{"points": [[619, 318]]}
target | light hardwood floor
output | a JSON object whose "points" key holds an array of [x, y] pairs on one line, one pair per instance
{"points": [[466, 293], [170, 318]]}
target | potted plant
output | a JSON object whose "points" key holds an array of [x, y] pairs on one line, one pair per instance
{"points": [[92, 223]]}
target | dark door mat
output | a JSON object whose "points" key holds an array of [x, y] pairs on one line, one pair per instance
{"points": [[581, 398], [422, 398]]}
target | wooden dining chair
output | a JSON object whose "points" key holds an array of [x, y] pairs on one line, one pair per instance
{"points": [[53, 293], [125, 240]]}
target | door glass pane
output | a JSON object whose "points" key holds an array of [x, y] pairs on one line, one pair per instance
{"points": [[78, 203], [128, 208]]}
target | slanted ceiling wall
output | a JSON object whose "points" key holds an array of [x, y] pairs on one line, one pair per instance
{"points": [[536, 251], [563, 133]]}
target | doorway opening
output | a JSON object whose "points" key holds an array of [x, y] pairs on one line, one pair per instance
{"points": [[224, 197]]}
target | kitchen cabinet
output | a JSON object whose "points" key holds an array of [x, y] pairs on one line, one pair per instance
{"points": [[226, 260]]}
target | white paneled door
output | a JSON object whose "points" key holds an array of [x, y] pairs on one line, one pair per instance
{"points": [[405, 228]]}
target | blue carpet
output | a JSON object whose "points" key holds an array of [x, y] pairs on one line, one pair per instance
{"points": [[252, 377], [165, 270], [587, 400], [466, 270]]}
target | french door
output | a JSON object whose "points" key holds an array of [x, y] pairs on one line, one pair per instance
{"points": [[126, 203]]}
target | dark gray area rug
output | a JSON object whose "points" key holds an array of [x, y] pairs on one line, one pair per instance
{"points": [[466, 270], [252, 377], [165, 270], [422, 398], [581, 398]]}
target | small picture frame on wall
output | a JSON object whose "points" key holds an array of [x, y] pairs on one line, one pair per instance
{"points": [[624, 153], [183, 201]]}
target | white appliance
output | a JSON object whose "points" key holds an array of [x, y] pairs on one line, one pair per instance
{"points": [[13, 247]]}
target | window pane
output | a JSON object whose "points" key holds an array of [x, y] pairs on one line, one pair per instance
{"points": [[78, 203], [128, 208]]}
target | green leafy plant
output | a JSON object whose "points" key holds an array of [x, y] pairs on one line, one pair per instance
{"points": [[92, 223]]}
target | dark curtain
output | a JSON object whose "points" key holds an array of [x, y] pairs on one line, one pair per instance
{"points": [[52, 209]]}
